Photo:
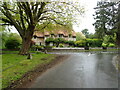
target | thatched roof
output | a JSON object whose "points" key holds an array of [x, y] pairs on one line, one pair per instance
{"points": [[55, 32]]}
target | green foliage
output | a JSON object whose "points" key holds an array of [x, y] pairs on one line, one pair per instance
{"points": [[92, 36], [59, 40], [48, 47], [80, 43], [94, 42], [12, 43], [71, 43], [80, 36], [109, 39], [4, 37], [37, 47], [107, 16], [8, 35], [104, 45], [48, 40], [56, 40], [61, 45], [89, 43], [111, 45], [85, 32]]}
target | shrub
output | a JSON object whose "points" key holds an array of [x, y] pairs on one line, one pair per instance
{"points": [[55, 41], [48, 47], [40, 47], [104, 45], [59, 40], [61, 45], [80, 43], [71, 43], [111, 45], [12, 43], [94, 42], [37, 47], [48, 40]]}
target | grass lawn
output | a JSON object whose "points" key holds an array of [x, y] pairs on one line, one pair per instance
{"points": [[13, 52], [14, 66]]}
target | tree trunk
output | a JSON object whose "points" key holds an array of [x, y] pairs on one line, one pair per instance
{"points": [[118, 28], [26, 42], [118, 39]]}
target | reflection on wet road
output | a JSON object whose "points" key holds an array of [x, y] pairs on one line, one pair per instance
{"points": [[81, 70]]}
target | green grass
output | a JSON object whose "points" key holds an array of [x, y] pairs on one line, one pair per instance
{"points": [[0, 72], [14, 66], [11, 52]]}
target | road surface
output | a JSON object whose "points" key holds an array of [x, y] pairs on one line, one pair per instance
{"points": [[81, 70]]}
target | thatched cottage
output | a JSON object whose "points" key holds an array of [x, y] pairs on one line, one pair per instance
{"points": [[39, 37]]}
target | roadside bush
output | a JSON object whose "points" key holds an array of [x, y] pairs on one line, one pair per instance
{"points": [[111, 45], [71, 43], [80, 43], [61, 45], [39, 47], [104, 45], [48, 47], [94, 42], [89, 43], [5, 36], [53, 46], [12, 43]]}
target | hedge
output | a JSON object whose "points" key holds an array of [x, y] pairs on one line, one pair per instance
{"points": [[12, 43]]}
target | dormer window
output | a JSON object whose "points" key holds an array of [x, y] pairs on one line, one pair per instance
{"points": [[60, 35]]}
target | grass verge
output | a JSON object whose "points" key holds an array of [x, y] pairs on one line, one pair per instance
{"points": [[14, 66], [13, 52]]}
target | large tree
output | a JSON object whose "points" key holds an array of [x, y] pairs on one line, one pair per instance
{"points": [[107, 16], [25, 16]]}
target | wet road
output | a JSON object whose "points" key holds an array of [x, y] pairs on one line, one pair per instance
{"points": [[81, 70]]}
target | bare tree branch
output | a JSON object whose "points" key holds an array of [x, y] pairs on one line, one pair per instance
{"points": [[21, 17], [40, 10], [51, 11]]}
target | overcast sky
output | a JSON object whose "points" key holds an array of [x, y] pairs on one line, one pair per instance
{"points": [[87, 21]]}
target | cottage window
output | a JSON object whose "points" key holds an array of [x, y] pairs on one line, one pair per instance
{"points": [[52, 35], [40, 43], [34, 37], [60, 35]]}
